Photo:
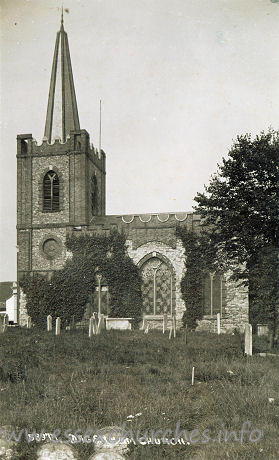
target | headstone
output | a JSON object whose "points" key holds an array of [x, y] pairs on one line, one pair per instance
{"points": [[170, 334], [262, 329], [248, 340], [57, 326], [165, 322], [56, 451], [29, 322], [218, 323], [49, 323]]}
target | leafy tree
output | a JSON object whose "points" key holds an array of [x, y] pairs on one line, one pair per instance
{"points": [[240, 209]]}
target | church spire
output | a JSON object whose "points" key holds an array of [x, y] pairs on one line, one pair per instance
{"points": [[62, 112]]}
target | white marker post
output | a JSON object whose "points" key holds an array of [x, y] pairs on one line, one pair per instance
{"points": [[49, 323], [218, 323], [57, 326], [248, 339], [193, 375]]}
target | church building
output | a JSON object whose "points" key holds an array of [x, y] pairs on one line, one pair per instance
{"points": [[61, 189]]}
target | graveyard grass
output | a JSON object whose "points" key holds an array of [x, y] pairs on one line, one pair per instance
{"points": [[71, 381]]}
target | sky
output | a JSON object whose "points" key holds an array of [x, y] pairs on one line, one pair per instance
{"points": [[178, 80]]}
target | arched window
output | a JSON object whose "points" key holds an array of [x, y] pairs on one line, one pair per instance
{"points": [[214, 294], [51, 192]]}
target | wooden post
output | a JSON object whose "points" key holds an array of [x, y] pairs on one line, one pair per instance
{"points": [[170, 334], [218, 323], [90, 332], [49, 323], [28, 324], [57, 326], [211, 293], [94, 324], [143, 323], [99, 277], [5, 322], [193, 375], [165, 322], [248, 339]]}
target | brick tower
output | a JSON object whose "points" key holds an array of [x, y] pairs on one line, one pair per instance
{"points": [[60, 183]]}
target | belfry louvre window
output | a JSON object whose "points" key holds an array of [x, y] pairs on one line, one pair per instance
{"points": [[51, 192]]}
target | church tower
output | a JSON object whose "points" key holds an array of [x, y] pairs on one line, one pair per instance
{"points": [[60, 183]]}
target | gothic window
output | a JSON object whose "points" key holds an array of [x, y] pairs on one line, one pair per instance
{"points": [[213, 294], [94, 195], [51, 192]]}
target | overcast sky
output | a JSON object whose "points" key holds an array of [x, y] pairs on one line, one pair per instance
{"points": [[178, 79]]}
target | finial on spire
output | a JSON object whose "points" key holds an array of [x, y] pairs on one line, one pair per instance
{"points": [[62, 19]]}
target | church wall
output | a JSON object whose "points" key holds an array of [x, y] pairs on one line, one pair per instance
{"points": [[40, 166], [175, 257], [41, 259]]}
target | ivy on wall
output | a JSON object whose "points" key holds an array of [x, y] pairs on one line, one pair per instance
{"points": [[199, 261], [69, 289]]}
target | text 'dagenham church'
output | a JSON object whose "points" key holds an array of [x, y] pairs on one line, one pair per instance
{"points": [[61, 186]]}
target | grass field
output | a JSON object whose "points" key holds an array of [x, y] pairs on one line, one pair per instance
{"points": [[71, 382]]}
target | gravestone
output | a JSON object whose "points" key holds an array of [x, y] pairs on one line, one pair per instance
{"points": [[248, 339], [49, 323], [58, 326], [52, 451], [101, 323]]}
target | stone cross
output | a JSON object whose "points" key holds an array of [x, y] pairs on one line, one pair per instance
{"points": [[248, 339], [57, 326], [218, 323], [49, 323]]}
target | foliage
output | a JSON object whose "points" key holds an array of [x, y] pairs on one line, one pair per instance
{"points": [[200, 260], [241, 203], [240, 209], [69, 289]]}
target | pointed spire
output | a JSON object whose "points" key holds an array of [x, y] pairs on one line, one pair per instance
{"points": [[62, 112]]}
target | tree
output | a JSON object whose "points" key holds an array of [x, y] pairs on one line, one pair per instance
{"points": [[240, 209]]}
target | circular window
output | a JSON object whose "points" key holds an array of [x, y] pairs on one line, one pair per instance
{"points": [[51, 248]]}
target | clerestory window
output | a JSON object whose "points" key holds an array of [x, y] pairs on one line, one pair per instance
{"points": [[51, 192]]}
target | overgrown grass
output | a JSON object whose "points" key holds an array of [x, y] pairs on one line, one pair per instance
{"points": [[72, 381]]}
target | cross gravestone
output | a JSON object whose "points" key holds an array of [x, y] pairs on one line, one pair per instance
{"points": [[248, 340], [49, 323], [58, 326]]}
